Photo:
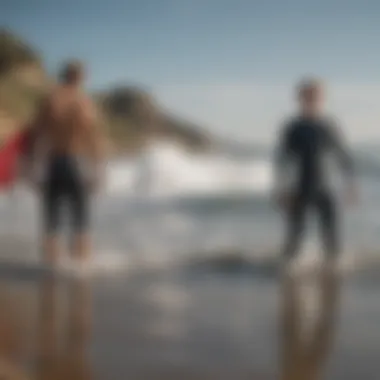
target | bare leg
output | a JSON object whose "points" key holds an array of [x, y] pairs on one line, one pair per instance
{"points": [[81, 247]]}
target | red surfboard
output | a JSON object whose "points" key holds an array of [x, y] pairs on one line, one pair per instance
{"points": [[10, 153]]}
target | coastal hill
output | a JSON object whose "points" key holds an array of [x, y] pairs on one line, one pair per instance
{"points": [[128, 112]]}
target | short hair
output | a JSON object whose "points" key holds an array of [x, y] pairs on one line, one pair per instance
{"points": [[71, 71], [308, 84]]}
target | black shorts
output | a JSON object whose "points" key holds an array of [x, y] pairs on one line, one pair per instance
{"points": [[65, 185]]}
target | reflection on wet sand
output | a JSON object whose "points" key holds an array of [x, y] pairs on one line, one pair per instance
{"points": [[209, 331], [12, 332], [63, 357], [303, 357]]}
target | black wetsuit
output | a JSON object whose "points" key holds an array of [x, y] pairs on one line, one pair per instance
{"points": [[307, 142], [65, 183]]}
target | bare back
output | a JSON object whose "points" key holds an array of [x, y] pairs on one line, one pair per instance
{"points": [[69, 122]]}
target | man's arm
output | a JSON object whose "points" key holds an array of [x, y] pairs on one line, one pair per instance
{"points": [[92, 126], [281, 157], [345, 159]]}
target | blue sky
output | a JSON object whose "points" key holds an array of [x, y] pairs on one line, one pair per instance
{"points": [[229, 64]]}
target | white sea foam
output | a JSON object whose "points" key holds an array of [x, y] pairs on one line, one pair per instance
{"points": [[165, 170]]}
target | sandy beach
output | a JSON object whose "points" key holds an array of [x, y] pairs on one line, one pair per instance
{"points": [[186, 325]]}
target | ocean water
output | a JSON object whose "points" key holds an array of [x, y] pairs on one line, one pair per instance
{"points": [[172, 207], [208, 300]]}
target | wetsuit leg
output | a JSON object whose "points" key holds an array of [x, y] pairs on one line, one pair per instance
{"points": [[78, 199], [65, 183], [327, 209], [52, 196], [295, 225]]}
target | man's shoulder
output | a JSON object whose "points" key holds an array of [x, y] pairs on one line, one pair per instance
{"points": [[62, 93], [291, 124], [328, 122], [53, 99], [55, 92], [48, 97]]}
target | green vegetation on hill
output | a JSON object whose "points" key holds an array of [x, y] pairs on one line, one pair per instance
{"points": [[14, 53], [129, 114]]}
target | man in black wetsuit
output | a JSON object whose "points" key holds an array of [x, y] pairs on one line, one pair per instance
{"points": [[306, 141]]}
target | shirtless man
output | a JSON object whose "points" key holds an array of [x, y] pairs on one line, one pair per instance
{"points": [[66, 136]]}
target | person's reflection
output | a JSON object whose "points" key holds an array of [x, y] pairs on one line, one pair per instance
{"points": [[66, 359], [304, 359], [12, 333]]}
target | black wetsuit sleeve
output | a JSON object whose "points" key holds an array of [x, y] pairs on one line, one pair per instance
{"points": [[282, 155], [341, 150]]}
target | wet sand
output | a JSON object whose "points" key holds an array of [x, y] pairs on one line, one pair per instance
{"points": [[177, 325]]}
